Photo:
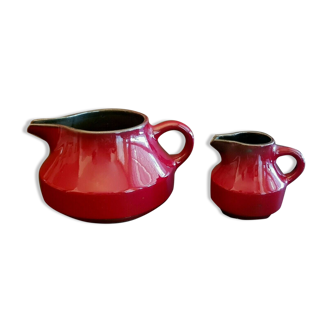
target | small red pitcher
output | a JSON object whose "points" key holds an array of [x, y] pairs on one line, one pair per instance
{"points": [[248, 184]]}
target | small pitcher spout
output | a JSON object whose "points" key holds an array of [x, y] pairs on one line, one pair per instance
{"points": [[218, 143]]}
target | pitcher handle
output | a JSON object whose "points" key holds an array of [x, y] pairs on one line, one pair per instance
{"points": [[300, 163], [163, 127]]}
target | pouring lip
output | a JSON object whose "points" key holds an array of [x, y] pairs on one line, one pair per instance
{"points": [[140, 126], [218, 138]]}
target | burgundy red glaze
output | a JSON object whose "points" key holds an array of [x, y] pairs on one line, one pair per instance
{"points": [[248, 184], [107, 165]]}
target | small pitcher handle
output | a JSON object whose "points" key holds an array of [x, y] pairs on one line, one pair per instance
{"points": [[163, 127], [300, 163]]}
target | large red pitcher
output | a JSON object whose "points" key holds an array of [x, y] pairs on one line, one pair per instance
{"points": [[107, 165]]}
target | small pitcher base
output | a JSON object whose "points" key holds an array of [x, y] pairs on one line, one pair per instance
{"points": [[250, 218]]}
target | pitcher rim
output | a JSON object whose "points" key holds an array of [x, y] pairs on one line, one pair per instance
{"points": [[272, 141], [139, 126]]}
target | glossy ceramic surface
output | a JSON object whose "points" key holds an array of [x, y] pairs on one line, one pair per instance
{"points": [[107, 165], [248, 183]]}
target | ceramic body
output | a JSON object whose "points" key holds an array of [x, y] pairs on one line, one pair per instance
{"points": [[248, 183], [107, 165]]}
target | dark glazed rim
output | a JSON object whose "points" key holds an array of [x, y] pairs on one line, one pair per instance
{"points": [[216, 138], [145, 121]]}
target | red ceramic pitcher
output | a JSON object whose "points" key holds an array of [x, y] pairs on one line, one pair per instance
{"points": [[248, 183], [107, 165]]}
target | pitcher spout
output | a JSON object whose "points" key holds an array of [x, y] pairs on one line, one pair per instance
{"points": [[45, 130], [219, 143]]}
